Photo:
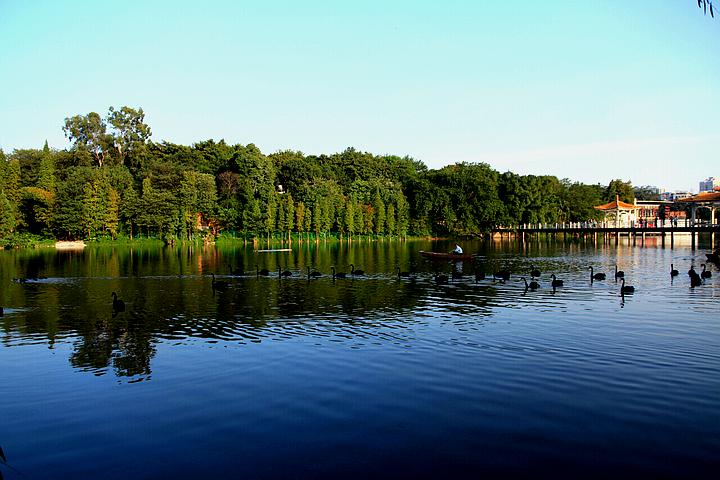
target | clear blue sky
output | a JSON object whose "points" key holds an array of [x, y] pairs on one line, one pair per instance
{"points": [[588, 90]]}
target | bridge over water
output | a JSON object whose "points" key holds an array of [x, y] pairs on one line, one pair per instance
{"points": [[608, 232]]}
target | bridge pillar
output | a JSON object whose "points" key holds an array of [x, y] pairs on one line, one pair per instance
{"points": [[692, 238]]}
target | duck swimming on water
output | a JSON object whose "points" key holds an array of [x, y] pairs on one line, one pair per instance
{"points": [[619, 273], [337, 274], [705, 273], [596, 276], [502, 275], [402, 274], [626, 288], [118, 305], [533, 285], [219, 284]]}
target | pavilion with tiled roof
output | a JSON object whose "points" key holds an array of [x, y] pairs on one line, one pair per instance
{"points": [[709, 200], [622, 213]]}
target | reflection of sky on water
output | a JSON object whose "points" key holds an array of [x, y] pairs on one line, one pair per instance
{"points": [[478, 364]]}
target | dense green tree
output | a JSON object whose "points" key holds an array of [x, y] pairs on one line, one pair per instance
{"points": [[130, 133], [390, 220], [89, 133], [286, 214], [402, 213], [94, 207], [68, 222], [46, 174], [270, 216], [115, 181], [7, 215], [580, 200], [112, 213], [349, 216], [307, 220], [300, 217], [159, 214], [646, 193], [11, 188], [37, 207], [619, 188], [467, 201], [380, 217]]}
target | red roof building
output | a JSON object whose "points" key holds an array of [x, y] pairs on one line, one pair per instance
{"points": [[709, 200], [622, 213]]}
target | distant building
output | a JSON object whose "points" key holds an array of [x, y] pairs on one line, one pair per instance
{"points": [[649, 210], [709, 184], [672, 196]]}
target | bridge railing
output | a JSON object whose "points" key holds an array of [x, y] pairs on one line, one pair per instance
{"points": [[592, 225]]}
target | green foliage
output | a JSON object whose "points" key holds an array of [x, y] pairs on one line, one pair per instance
{"points": [[7, 216], [20, 240], [130, 133], [112, 213], [67, 221], [37, 206], [646, 193], [618, 188], [115, 183], [160, 213], [89, 133], [379, 208], [467, 200], [46, 174]]}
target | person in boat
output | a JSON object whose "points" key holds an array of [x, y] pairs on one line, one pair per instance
{"points": [[458, 250]]}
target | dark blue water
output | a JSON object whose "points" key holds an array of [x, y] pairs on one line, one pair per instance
{"points": [[371, 376]]}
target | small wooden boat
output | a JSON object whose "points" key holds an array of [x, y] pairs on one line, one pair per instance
{"points": [[453, 257]]}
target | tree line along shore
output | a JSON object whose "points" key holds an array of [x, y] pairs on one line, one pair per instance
{"points": [[114, 182]]}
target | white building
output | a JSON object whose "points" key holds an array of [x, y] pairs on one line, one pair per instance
{"points": [[709, 184], [672, 196]]}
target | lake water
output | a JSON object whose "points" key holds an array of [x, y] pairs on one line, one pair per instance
{"points": [[367, 376]]}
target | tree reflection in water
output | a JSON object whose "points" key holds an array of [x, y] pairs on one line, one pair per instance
{"points": [[169, 296]]}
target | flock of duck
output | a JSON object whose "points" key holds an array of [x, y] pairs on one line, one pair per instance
{"points": [[311, 274], [696, 279]]}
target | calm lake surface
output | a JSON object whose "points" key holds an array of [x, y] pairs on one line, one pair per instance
{"points": [[358, 377]]}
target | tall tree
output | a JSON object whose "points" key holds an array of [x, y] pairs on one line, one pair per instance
{"points": [[130, 132], [89, 132], [46, 175], [379, 207], [619, 188], [7, 216], [112, 213]]}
